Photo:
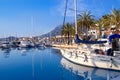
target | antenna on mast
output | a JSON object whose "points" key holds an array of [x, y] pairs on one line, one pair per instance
{"points": [[75, 17], [32, 25], [65, 12]]}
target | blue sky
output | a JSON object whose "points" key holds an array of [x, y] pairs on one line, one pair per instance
{"points": [[36, 17]]}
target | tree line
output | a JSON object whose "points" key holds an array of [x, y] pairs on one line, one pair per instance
{"points": [[87, 21]]}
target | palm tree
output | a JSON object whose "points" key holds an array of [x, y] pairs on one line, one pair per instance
{"points": [[68, 31], [85, 20], [99, 25], [111, 19], [106, 20], [115, 18]]}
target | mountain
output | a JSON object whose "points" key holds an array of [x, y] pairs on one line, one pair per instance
{"points": [[10, 38], [56, 31]]}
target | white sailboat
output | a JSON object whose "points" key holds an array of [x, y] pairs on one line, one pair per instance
{"points": [[93, 57]]}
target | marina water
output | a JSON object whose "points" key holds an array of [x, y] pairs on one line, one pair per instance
{"points": [[46, 64]]}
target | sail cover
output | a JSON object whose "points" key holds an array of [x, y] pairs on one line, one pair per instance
{"points": [[77, 40], [113, 36]]}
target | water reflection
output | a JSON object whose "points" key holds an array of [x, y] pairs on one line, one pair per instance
{"points": [[88, 73], [6, 52], [41, 48], [23, 51], [33, 65]]}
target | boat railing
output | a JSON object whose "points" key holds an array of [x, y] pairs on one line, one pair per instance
{"points": [[117, 53]]}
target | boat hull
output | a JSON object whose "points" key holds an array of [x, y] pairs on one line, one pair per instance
{"points": [[100, 61], [88, 73]]}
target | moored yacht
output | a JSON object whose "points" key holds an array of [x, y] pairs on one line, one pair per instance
{"points": [[26, 44], [5, 45], [88, 55]]}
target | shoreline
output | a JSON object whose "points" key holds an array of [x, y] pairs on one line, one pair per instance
{"points": [[64, 46]]}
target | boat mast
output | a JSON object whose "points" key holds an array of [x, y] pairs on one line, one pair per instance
{"points": [[75, 17], [32, 26]]}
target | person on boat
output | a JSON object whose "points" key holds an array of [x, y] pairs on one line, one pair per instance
{"points": [[110, 52], [115, 44]]}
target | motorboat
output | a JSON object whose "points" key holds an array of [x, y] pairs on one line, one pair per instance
{"points": [[26, 44]]}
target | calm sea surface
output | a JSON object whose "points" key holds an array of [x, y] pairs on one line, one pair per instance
{"points": [[46, 64]]}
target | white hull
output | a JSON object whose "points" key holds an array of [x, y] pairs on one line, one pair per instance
{"points": [[88, 58], [26, 44], [88, 73]]}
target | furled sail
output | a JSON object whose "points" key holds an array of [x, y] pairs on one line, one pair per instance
{"points": [[77, 40]]}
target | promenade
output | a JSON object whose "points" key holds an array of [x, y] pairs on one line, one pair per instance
{"points": [[64, 46]]}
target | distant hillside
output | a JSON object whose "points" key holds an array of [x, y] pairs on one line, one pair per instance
{"points": [[54, 32], [10, 38]]}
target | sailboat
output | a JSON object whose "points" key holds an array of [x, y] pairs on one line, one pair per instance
{"points": [[93, 57]]}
